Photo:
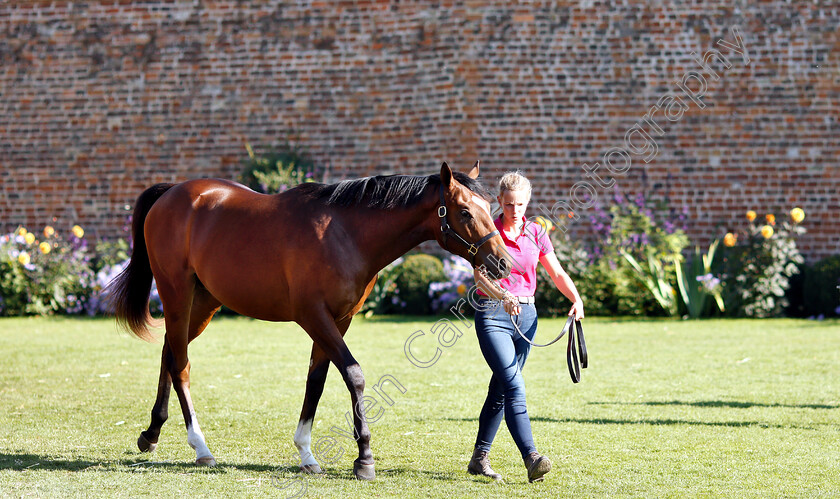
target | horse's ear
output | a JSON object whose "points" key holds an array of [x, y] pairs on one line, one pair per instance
{"points": [[473, 173], [445, 174]]}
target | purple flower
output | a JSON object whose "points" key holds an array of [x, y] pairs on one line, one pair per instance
{"points": [[640, 200], [458, 273], [710, 282]]}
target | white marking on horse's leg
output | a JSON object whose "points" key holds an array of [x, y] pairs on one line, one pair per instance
{"points": [[195, 438], [303, 439]]}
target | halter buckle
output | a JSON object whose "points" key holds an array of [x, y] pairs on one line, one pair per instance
{"points": [[442, 211]]}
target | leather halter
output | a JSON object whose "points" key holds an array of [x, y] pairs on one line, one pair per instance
{"points": [[446, 230]]}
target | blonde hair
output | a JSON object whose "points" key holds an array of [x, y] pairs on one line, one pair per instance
{"points": [[514, 181]]}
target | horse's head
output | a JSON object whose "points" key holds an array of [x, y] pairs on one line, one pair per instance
{"points": [[466, 225]]}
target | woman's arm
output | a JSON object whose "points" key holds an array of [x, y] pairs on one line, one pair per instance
{"points": [[496, 292], [563, 282]]}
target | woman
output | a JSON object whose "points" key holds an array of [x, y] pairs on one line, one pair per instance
{"points": [[503, 348]]}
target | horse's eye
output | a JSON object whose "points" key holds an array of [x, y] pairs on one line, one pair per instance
{"points": [[466, 214]]}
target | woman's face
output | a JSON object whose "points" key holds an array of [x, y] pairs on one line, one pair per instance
{"points": [[514, 204]]}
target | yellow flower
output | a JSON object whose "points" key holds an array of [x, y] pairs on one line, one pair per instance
{"points": [[23, 258], [767, 232], [29, 238], [78, 231], [545, 223], [771, 219], [751, 215], [797, 214], [22, 231], [49, 231], [730, 239], [45, 247], [462, 289]]}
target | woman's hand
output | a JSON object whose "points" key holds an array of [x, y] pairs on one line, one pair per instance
{"points": [[511, 304], [577, 309]]}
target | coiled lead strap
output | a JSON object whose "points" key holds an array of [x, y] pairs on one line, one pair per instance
{"points": [[576, 358]]}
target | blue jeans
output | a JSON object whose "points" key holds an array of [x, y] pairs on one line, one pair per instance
{"points": [[505, 352]]}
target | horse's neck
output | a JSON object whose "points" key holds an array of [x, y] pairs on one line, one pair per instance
{"points": [[389, 234]]}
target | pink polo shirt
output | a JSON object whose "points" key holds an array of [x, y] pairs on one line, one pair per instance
{"points": [[525, 250]]}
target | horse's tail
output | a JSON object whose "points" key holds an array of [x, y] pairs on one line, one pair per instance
{"points": [[129, 292]]}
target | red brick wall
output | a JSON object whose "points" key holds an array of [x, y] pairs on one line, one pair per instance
{"points": [[101, 99]]}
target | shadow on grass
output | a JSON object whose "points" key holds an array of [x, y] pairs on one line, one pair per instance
{"points": [[652, 422], [24, 461], [722, 403]]}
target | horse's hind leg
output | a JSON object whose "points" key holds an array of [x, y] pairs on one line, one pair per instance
{"points": [[182, 324], [160, 411], [319, 365], [203, 308]]}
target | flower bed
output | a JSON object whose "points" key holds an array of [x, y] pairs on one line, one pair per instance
{"points": [[58, 272], [635, 265]]}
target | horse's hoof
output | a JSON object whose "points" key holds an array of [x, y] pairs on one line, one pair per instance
{"points": [[206, 461], [144, 445], [363, 471], [311, 469]]}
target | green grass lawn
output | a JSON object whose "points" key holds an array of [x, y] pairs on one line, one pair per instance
{"points": [[666, 409]]}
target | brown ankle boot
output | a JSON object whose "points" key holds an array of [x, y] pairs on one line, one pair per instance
{"points": [[537, 466], [480, 465]]}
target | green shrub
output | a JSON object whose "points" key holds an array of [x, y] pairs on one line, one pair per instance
{"points": [[645, 230], [384, 297], [606, 287], [455, 286], [820, 295], [697, 283], [110, 253], [757, 270], [278, 170], [416, 273], [592, 284], [549, 301]]}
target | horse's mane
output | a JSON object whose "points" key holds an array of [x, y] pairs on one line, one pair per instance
{"points": [[386, 192]]}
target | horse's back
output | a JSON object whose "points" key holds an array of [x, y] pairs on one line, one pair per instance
{"points": [[258, 254]]}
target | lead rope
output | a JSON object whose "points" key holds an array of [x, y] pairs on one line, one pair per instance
{"points": [[576, 358]]}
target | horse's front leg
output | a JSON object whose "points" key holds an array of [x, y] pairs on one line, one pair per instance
{"points": [[363, 466], [327, 335]]}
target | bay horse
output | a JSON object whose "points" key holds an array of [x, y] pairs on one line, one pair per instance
{"points": [[309, 255]]}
